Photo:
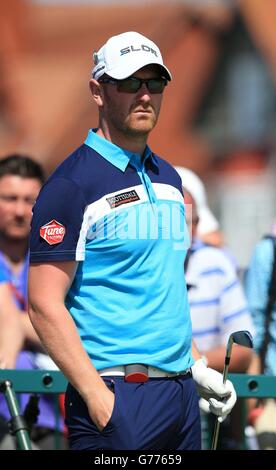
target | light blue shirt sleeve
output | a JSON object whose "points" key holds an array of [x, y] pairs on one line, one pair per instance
{"points": [[3, 277], [257, 284]]}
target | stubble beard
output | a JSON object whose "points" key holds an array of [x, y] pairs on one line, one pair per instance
{"points": [[130, 124], [135, 126]]}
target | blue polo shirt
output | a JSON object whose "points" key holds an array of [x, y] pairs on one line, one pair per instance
{"points": [[123, 220], [17, 282]]}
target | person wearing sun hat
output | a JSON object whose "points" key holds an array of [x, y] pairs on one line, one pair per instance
{"points": [[117, 323], [208, 226]]}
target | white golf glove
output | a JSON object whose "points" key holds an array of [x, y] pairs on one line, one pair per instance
{"points": [[216, 397]]}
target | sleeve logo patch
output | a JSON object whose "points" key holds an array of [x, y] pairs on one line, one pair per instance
{"points": [[53, 232], [123, 198]]}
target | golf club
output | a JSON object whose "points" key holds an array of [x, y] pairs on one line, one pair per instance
{"points": [[243, 338]]}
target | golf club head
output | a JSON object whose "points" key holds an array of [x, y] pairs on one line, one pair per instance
{"points": [[243, 338]]}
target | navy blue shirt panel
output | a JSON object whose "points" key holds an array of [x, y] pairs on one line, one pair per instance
{"points": [[98, 177], [81, 179], [94, 174], [165, 174], [50, 207]]}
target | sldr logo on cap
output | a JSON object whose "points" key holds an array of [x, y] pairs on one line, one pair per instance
{"points": [[143, 47]]}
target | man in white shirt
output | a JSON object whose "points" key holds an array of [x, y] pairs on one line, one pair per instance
{"points": [[217, 302]]}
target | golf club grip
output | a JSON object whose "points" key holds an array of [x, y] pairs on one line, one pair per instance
{"points": [[215, 435]]}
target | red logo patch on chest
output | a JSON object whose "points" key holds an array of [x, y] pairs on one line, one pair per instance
{"points": [[52, 232]]}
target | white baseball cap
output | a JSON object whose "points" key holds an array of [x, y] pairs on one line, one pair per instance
{"points": [[124, 54], [192, 183]]}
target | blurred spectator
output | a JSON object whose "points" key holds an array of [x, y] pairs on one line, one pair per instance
{"points": [[218, 308], [257, 282], [14, 328], [20, 181], [208, 227], [260, 284], [217, 302]]}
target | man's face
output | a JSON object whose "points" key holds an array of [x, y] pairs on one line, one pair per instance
{"points": [[17, 197], [132, 114]]}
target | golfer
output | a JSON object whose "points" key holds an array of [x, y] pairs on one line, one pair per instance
{"points": [[106, 285]]}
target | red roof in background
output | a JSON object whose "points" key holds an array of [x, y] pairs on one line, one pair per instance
{"points": [[47, 66], [52, 75]]}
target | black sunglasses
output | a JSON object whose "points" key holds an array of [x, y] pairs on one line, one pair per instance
{"points": [[133, 84]]}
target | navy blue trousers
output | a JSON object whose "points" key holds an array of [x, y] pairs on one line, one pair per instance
{"points": [[160, 414]]}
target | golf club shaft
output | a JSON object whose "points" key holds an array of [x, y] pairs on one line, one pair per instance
{"points": [[217, 423]]}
